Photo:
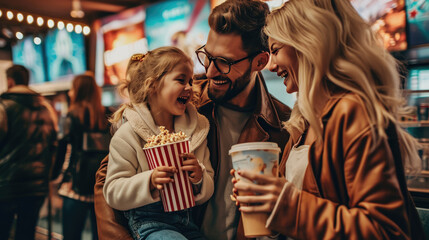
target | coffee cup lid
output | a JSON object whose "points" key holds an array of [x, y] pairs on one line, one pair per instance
{"points": [[254, 146]]}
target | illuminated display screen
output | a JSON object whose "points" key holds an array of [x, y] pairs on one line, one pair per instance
{"points": [[25, 52], [65, 54], [418, 22], [180, 23], [418, 78], [118, 37], [388, 20]]}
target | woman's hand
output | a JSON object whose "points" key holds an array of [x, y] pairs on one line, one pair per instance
{"points": [[190, 163], [266, 191], [160, 176]]}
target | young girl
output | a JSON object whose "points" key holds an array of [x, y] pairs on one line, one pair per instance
{"points": [[159, 88]]}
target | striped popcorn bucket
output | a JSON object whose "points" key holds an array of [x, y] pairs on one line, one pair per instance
{"points": [[177, 195]]}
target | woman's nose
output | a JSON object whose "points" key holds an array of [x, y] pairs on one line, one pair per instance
{"points": [[272, 66]]}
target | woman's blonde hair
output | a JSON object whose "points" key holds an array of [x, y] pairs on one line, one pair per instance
{"points": [[87, 98], [145, 73], [338, 52]]}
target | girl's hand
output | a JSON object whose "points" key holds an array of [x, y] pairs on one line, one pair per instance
{"points": [[162, 175], [190, 163], [266, 191]]}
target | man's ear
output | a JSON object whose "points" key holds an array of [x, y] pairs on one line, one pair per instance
{"points": [[260, 61], [10, 83]]}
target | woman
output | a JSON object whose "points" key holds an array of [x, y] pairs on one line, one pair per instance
{"points": [[86, 123], [344, 164]]}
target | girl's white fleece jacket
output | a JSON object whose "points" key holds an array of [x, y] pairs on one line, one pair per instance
{"points": [[127, 183]]}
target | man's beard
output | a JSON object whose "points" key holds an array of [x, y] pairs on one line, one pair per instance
{"points": [[234, 89]]}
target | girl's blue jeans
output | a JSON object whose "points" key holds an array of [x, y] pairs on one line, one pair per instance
{"points": [[151, 222]]}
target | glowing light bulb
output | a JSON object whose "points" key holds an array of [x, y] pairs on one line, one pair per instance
{"points": [[78, 29], [30, 19], [20, 17], [19, 35], [37, 40], [86, 30], [51, 23], [40, 21], [60, 25], [9, 15], [69, 27]]}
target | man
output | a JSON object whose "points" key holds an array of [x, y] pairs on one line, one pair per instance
{"points": [[28, 142], [233, 96], [235, 100]]}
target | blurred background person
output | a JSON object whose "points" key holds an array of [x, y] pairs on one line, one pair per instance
{"points": [[28, 140], [87, 131]]}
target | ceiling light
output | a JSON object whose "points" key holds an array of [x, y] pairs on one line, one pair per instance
{"points": [[37, 41], [1, 13], [51, 23], [40, 21], [20, 17], [78, 29], [69, 27], [30, 19], [60, 25], [9, 15], [19, 35], [76, 11], [86, 30]]}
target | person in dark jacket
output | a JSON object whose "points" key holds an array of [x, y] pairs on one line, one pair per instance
{"points": [[28, 138], [86, 123], [233, 96]]}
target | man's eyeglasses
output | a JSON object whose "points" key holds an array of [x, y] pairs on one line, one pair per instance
{"points": [[222, 64]]}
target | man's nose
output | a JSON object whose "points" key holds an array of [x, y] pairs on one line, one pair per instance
{"points": [[211, 71]]}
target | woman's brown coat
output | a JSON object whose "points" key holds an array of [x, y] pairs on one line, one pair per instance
{"points": [[354, 187]]}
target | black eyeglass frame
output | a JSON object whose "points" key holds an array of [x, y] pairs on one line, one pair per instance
{"points": [[213, 59]]}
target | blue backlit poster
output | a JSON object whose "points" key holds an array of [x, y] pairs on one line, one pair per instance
{"points": [[65, 54], [25, 52], [180, 23], [418, 22]]}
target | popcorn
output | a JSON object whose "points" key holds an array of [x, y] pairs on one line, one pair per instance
{"points": [[165, 137]]}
